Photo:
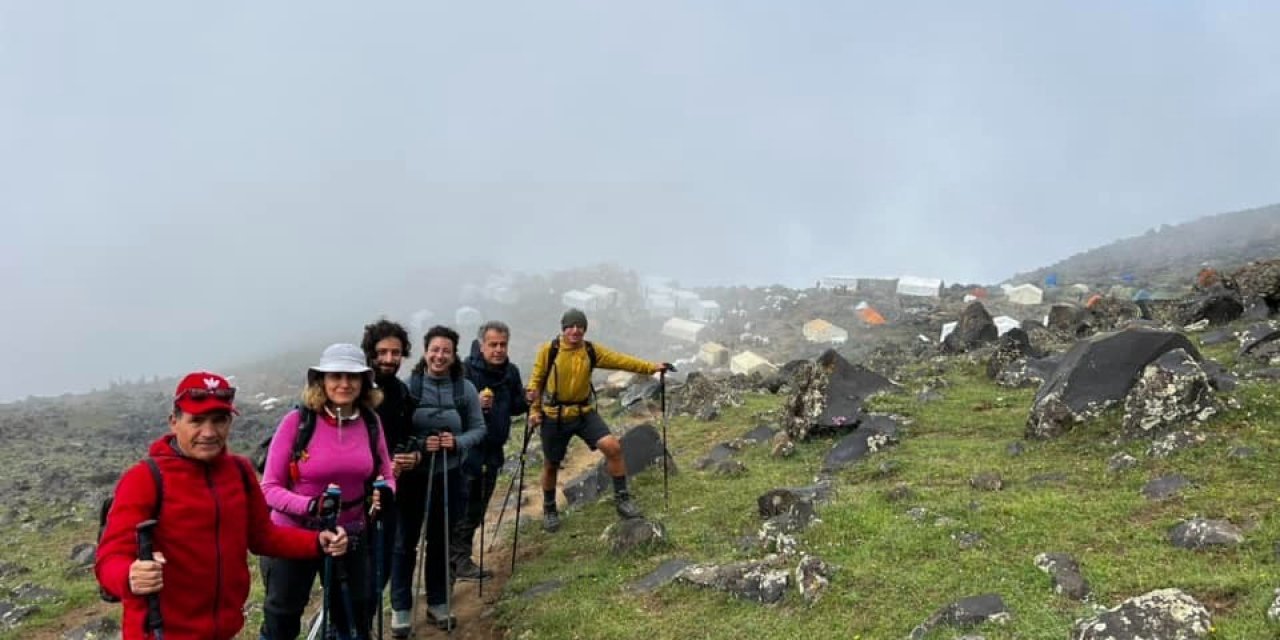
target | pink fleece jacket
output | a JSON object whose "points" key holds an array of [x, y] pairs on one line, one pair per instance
{"points": [[336, 454]]}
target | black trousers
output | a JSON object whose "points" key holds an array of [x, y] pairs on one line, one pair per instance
{"points": [[288, 585], [410, 515], [477, 486]]}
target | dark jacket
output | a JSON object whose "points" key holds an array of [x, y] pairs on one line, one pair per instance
{"points": [[508, 400], [207, 526], [396, 411]]}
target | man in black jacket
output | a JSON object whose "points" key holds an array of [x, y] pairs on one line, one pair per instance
{"points": [[386, 345], [501, 397]]}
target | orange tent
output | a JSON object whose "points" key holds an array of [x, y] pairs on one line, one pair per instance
{"points": [[1093, 301], [870, 316]]}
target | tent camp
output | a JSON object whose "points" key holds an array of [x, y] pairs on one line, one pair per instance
{"points": [[848, 283], [748, 363], [1025, 294], [681, 329], [919, 287], [819, 330]]}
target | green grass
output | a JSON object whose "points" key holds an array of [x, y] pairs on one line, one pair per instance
{"points": [[894, 572]]}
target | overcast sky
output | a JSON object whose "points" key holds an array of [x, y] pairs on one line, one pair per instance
{"points": [[188, 182]]}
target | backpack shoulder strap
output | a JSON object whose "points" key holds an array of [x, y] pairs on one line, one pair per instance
{"points": [[459, 396], [591, 353], [371, 424], [246, 478], [159, 480], [306, 429]]}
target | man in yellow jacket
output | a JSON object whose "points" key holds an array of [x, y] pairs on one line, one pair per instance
{"points": [[562, 404]]}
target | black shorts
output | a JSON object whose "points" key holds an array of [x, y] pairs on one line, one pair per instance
{"points": [[556, 434]]}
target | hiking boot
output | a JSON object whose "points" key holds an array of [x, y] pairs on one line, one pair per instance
{"points": [[627, 508], [401, 623], [550, 521], [439, 615], [465, 569]]}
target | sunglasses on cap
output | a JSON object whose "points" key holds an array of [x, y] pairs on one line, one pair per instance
{"points": [[227, 393]]}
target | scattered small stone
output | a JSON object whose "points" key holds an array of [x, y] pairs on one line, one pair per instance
{"points": [[899, 492], [729, 468], [917, 513], [100, 629], [663, 575], [1174, 442], [966, 540], [1065, 571], [813, 575], [1015, 448], [1165, 486], [1200, 533], [987, 481], [625, 536], [82, 555], [1242, 452], [1121, 462], [966, 612]]}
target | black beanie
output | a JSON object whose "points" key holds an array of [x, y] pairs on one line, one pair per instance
{"points": [[573, 317]]}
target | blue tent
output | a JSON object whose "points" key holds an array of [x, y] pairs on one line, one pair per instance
{"points": [[1051, 280]]}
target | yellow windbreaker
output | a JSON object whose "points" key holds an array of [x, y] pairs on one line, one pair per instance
{"points": [[568, 379]]}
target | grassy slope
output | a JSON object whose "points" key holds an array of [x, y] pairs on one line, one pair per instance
{"points": [[893, 571]]}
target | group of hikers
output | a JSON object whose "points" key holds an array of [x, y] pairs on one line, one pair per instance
{"points": [[364, 464]]}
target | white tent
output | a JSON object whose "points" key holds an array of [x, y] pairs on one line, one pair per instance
{"points": [[579, 300], [660, 305], [1025, 294], [849, 283], [681, 329], [748, 363], [919, 287], [713, 354], [819, 330], [705, 311], [685, 301], [1005, 323], [606, 297]]}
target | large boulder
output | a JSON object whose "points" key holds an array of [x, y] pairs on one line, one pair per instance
{"points": [[1260, 341], [1218, 305], [1260, 279], [1167, 614], [974, 328], [1011, 347], [1066, 318], [641, 448], [1095, 374], [1172, 391], [828, 396], [873, 434]]}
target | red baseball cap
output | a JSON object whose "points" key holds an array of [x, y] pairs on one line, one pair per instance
{"points": [[201, 392]]}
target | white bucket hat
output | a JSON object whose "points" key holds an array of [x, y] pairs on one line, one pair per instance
{"points": [[342, 358]]}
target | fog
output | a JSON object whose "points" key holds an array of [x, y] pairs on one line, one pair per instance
{"points": [[192, 185]]}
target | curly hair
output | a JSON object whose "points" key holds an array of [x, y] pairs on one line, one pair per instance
{"points": [[440, 331], [380, 330], [314, 397]]}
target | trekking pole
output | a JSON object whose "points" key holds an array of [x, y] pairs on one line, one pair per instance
{"points": [[484, 476], [153, 624], [515, 542], [426, 516], [448, 584], [381, 487], [329, 504], [511, 485], [662, 392]]}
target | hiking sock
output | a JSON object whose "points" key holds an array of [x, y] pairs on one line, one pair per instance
{"points": [[620, 486], [549, 500]]}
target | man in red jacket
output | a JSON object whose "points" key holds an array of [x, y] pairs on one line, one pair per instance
{"points": [[211, 514]]}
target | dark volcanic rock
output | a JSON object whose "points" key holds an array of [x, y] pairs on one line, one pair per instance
{"points": [[626, 536], [761, 581], [1065, 571], [663, 575], [974, 328], [1218, 305], [642, 449], [1097, 373], [872, 436], [966, 612], [1166, 614], [1165, 486], [1202, 534], [828, 396], [1172, 391]]}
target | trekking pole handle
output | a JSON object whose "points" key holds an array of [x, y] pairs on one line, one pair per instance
{"points": [[154, 622], [330, 502], [383, 490]]}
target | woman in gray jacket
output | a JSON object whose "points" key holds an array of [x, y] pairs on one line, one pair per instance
{"points": [[448, 421]]}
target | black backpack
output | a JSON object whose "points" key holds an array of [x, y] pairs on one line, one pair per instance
{"points": [[156, 477], [307, 428], [551, 363]]}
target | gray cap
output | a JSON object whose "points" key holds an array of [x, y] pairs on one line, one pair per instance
{"points": [[342, 358], [573, 317]]}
